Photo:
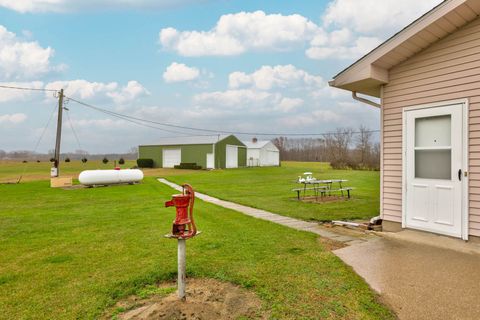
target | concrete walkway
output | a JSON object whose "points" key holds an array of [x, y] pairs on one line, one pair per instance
{"points": [[420, 276], [272, 217], [418, 280]]}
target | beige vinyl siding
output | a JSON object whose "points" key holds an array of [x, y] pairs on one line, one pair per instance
{"points": [[447, 70]]}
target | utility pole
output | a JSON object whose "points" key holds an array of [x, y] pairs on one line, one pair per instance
{"points": [[55, 171]]}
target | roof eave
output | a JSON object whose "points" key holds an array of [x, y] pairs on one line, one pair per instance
{"points": [[364, 76]]}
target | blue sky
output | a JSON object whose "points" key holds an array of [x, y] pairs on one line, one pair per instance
{"points": [[250, 66]]}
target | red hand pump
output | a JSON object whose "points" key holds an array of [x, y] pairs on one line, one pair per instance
{"points": [[183, 225]]}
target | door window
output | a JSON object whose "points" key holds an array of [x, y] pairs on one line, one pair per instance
{"points": [[433, 147]]}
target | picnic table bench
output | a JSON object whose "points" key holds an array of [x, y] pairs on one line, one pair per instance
{"points": [[322, 187]]}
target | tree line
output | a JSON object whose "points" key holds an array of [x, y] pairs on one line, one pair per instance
{"points": [[26, 155], [344, 148]]}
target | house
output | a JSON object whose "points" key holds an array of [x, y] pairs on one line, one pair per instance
{"points": [[427, 77], [262, 153], [209, 152]]}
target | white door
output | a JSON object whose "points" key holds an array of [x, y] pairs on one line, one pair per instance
{"points": [[171, 157], [273, 158], [434, 169], [232, 157], [210, 161]]}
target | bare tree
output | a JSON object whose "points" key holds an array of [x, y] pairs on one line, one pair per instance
{"points": [[364, 146], [344, 148]]}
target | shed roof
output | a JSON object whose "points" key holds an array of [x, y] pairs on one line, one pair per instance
{"points": [[369, 73], [256, 145], [174, 141]]}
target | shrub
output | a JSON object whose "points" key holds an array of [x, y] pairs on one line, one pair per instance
{"points": [[67, 159], [84, 160], [52, 159], [145, 163], [38, 161], [186, 165], [105, 160], [121, 161], [24, 161]]}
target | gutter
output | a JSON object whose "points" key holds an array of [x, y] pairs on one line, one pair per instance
{"points": [[374, 104]]}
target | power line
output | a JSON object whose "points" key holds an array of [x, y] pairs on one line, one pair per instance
{"points": [[28, 89], [73, 130], [135, 120], [125, 117]]}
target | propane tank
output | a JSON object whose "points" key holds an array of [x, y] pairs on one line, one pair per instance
{"points": [[106, 177]]}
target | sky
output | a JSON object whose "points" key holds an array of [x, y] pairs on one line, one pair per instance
{"points": [[238, 66]]}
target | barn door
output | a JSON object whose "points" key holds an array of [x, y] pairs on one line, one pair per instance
{"points": [[434, 169], [232, 156], [210, 161]]}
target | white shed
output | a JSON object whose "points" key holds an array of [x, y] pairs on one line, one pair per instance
{"points": [[262, 153]]}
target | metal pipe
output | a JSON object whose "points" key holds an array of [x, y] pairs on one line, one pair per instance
{"points": [[181, 268], [355, 97]]}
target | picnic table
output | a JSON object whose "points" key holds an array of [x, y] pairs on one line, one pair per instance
{"points": [[322, 187]]}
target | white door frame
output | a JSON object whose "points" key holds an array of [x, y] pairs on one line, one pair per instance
{"points": [[465, 168]]}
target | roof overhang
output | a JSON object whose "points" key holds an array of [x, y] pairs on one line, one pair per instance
{"points": [[368, 74]]}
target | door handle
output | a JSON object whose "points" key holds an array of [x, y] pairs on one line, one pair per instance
{"points": [[460, 174]]}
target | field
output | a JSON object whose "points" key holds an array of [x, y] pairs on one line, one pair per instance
{"points": [[10, 171], [71, 254], [264, 188], [271, 189]]}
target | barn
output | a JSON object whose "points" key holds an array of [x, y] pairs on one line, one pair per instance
{"points": [[262, 153], [208, 152], [427, 79]]}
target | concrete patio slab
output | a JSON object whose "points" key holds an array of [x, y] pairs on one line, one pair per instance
{"points": [[419, 281]]}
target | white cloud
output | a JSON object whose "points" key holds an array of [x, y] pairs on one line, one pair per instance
{"points": [[179, 72], [19, 95], [237, 33], [312, 119], [22, 59], [99, 123], [239, 99], [242, 103], [14, 118], [280, 76], [375, 16], [60, 6], [129, 93], [289, 104], [84, 89], [359, 47]]}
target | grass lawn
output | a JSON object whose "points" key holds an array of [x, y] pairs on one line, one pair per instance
{"points": [[70, 254], [271, 189]]}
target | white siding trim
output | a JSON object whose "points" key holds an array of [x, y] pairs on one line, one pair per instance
{"points": [[466, 168], [381, 150]]}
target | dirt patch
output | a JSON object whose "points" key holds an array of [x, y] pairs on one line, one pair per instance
{"points": [[207, 299], [330, 244]]}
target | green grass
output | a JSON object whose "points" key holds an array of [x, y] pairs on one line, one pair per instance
{"points": [[71, 254], [271, 189]]}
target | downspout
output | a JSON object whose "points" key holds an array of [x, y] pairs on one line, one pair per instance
{"points": [[355, 97]]}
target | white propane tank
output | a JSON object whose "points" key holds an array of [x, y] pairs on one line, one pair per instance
{"points": [[106, 177]]}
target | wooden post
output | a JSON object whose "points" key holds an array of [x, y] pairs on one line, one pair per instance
{"points": [[181, 268], [56, 171]]}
